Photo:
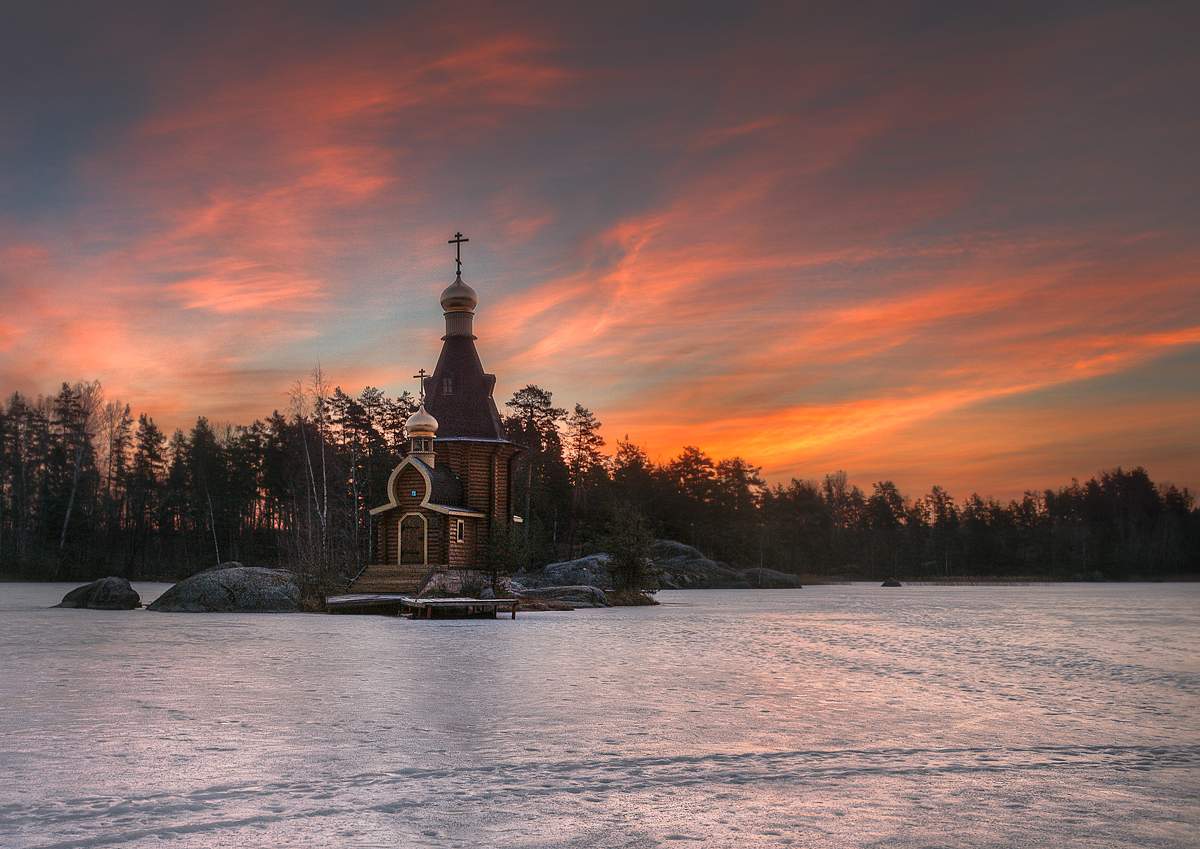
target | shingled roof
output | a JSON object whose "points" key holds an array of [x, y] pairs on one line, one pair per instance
{"points": [[447, 489], [459, 394]]}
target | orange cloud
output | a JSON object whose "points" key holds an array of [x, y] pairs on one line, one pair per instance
{"points": [[844, 268], [708, 357], [241, 287]]}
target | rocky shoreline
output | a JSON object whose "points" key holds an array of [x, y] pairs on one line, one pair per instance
{"points": [[671, 566], [584, 582]]}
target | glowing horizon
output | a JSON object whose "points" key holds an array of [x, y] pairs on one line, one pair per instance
{"points": [[953, 252]]}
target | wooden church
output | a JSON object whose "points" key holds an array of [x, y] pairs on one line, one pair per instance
{"points": [[453, 488]]}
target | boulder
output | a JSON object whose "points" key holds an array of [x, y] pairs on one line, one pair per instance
{"points": [[666, 549], [682, 567], [590, 570], [672, 565], [238, 589], [577, 596], [104, 594], [891, 582]]}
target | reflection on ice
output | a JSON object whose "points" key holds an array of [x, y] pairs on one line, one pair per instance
{"points": [[982, 716]]}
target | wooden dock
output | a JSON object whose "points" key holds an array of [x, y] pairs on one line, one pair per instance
{"points": [[398, 604]]}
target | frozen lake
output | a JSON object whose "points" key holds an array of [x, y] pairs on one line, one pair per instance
{"points": [[1062, 715]]}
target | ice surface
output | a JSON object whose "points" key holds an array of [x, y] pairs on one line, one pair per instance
{"points": [[1065, 715]]}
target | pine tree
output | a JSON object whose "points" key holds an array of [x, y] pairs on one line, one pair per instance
{"points": [[534, 424], [145, 484], [583, 445]]}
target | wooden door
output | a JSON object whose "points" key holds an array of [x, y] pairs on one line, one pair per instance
{"points": [[412, 540]]}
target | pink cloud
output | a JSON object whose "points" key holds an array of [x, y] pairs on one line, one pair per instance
{"points": [[780, 282]]}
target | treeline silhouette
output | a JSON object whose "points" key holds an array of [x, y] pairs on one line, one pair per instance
{"points": [[86, 489]]}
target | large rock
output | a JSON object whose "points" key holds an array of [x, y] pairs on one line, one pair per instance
{"points": [[672, 566], [591, 571], [104, 594], [455, 583], [682, 567], [237, 589], [578, 596]]}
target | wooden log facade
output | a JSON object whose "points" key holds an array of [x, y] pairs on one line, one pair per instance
{"points": [[485, 469]]}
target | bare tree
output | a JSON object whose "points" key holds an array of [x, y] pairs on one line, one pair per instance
{"points": [[310, 405], [87, 400]]}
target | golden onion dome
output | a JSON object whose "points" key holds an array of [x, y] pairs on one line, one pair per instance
{"points": [[459, 297], [421, 423]]}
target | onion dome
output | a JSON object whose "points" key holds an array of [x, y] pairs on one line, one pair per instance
{"points": [[421, 423], [459, 297]]}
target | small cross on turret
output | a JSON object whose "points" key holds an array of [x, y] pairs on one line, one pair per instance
{"points": [[421, 375], [457, 242]]}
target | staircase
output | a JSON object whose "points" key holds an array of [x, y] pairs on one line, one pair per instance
{"points": [[389, 578]]}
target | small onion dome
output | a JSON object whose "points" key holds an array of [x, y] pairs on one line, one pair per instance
{"points": [[421, 423], [459, 297]]}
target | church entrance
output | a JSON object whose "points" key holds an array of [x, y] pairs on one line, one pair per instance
{"points": [[412, 540]]}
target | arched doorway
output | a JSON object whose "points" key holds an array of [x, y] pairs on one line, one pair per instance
{"points": [[412, 540]]}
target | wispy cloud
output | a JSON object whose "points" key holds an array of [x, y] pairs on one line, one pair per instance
{"points": [[811, 243]]}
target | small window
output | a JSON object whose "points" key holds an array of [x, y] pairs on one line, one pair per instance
{"points": [[460, 531], [447, 385], [413, 493]]}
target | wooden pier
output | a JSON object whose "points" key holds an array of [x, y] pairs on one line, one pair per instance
{"points": [[422, 608]]}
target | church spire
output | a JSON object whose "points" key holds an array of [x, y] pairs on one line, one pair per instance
{"points": [[458, 299], [459, 394]]}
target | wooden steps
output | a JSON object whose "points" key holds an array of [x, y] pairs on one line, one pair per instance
{"points": [[389, 578]]}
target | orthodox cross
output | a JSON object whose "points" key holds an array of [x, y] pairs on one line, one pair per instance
{"points": [[457, 242], [421, 375]]}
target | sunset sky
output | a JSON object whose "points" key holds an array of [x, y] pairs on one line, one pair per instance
{"points": [[917, 243]]}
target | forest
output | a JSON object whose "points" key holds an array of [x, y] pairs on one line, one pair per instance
{"points": [[87, 489]]}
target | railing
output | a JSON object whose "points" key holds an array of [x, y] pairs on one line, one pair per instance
{"points": [[365, 567]]}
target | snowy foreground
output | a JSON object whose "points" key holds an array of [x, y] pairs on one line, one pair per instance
{"points": [[1064, 715]]}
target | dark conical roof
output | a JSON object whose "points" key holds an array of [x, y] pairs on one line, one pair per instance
{"points": [[459, 395]]}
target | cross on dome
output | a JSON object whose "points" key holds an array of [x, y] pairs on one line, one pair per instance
{"points": [[457, 241], [421, 375]]}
